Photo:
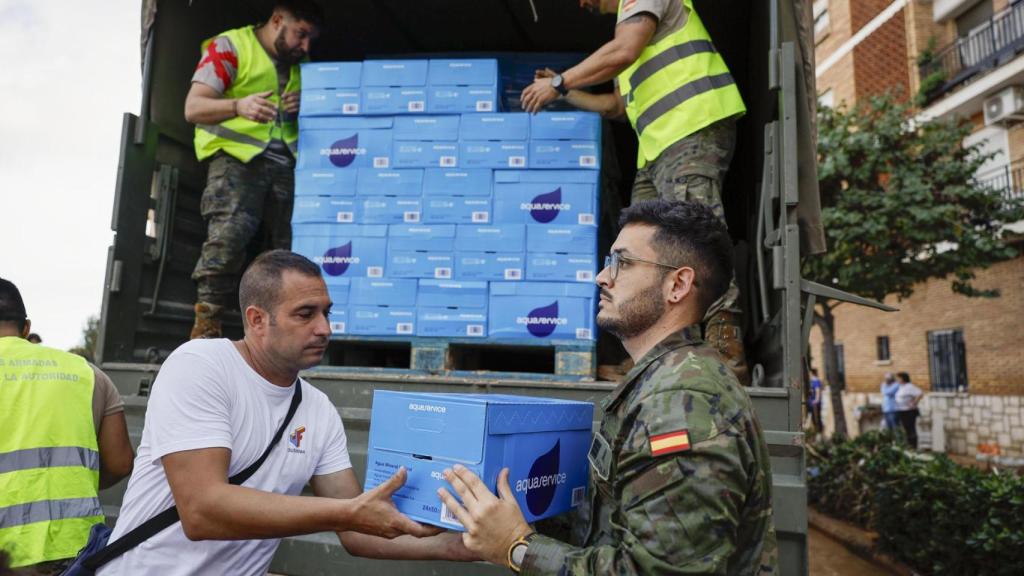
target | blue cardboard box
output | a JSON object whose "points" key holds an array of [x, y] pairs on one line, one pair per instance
{"points": [[545, 197], [456, 182], [544, 443], [340, 143], [495, 127], [390, 210], [495, 154], [433, 128], [339, 291], [391, 100], [546, 154], [457, 210], [324, 102], [430, 237], [420, 264], [555, 267], [565, 126], [343, 251], [568, 239], [461, 99], [462, 72], [383, 292], [492, 266], [338, 319], [395, 73], [382, 320], [541, 311], [452, 294], [451, 322], [503, 238], [324, 209], [389, 182], [331, 75], [325, 182], [426, 154]]}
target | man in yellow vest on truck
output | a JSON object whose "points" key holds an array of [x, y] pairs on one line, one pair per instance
{"points": [[244, 102], [677, 92], [64, 437]]}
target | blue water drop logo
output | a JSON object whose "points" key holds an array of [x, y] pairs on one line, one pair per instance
{"points": [[546, 207], [343, 152], [539, 498], [336, 260], [541, 322]]}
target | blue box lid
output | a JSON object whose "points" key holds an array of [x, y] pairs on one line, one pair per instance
{"points": [[339, 290], [499, 126], [463, 72], [493, 238], [565, 126], [547, 289], [452, 293], [316, 182], [426, 237], [345, 122], [568, 238], [383, 291], [547, 176], [426, 127], [457, 182], [389, 182], [341, 230], [395, 73], [331, 74]]}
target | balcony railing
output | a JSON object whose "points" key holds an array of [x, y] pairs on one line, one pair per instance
{"points": [[984, 49], [1009, 180]]}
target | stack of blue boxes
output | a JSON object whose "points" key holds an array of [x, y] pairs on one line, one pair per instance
{"points": [[432, 214]]}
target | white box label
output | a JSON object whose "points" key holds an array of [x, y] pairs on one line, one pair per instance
{"points": [[403, 328], [447, 161], [513, 274], [583, 334], [417, 106], [411, 216], [482, 217], [588, 161], [578, 494], [475, 330], [517, 161], [345, 217], [381, 162], [584, 276], [442, 273], [338, 327], [375, 271], [484, 106], [447, 517], [586, 219], [350, 108]]}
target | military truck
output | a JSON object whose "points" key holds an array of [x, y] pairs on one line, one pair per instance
{"points": [[770, 196]]}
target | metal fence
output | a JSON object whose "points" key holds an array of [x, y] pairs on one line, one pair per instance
{"points": [[1008, 179]]}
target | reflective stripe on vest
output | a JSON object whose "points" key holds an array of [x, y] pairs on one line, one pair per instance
{"points": [[679, 85], [49, 458], [239, 137]]}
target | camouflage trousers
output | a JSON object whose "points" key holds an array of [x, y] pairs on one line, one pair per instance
{"points": [[693, 170], [241, 202]]}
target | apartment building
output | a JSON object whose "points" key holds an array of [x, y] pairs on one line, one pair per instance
{"points": [[964, 58]]}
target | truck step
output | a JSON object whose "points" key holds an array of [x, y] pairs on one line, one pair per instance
{"points": [[569, 359]]}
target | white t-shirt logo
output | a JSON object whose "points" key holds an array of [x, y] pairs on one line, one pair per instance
{"points": [[295, 439]]}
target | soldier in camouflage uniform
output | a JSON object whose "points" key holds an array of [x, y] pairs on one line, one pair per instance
{"points": [[680, 478]]}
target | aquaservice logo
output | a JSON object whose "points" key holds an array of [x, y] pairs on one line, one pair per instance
{"points": [[543, 480], [336, 261], [545, 207], [343, 152], [541, 322]]}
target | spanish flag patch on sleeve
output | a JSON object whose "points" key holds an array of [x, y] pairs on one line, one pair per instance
{"points": [[677, 441]]}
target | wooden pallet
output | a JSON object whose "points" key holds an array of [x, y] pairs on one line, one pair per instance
{"points": [[568, 359]]}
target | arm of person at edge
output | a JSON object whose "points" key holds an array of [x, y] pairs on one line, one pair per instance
{"points": [[444, 546], [631, 36], [493, 524], [205, 105], [116, 455], [610, 105], [213, 509]]}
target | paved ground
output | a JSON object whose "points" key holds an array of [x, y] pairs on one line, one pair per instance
{"points": [[830, 558]]}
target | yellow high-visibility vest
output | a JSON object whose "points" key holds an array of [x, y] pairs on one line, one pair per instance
{"points": [[678, 85], [238, 136], [49, 458]]}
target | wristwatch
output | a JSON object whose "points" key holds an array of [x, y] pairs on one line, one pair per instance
{"points": [[558, 83], [517, 552]]}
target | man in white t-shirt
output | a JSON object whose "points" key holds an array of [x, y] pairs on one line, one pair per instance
{"points": [[215, 407]]}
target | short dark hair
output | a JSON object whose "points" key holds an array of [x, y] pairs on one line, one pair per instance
{"points": [[688, 234], [305, 10], [903, 376], [12, 307], [261, 281]]}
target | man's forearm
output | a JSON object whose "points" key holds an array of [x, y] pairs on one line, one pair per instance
{"points": [[206, 110], [601, 66], [607, 105], [402, 548]]}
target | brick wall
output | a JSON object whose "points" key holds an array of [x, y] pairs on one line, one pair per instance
{"points": [[880, 61], [991, 327], [920, 29], [839, 79], [862, 11]]}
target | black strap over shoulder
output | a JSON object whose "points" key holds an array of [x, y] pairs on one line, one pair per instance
{"points": [[158, 523]]}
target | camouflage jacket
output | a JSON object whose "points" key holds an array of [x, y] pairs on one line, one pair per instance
{"points": [[680, 480]]}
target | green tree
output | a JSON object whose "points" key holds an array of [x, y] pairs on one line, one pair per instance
{"points": [[900, 206], [90, 336]]}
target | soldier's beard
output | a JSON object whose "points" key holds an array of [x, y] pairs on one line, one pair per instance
{"points": [[287, 55], [636, 315]]}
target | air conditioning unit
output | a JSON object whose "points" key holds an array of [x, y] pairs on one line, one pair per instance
{"points": [[1005, 106]]}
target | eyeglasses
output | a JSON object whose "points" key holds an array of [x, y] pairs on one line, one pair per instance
{"points": [[615, 259]]}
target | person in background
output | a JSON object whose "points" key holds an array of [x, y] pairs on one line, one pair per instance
{"points": [[908, 397], [814, 401], [678, 93], [888, 389], [63, 439], [35, 338], [244, 102]]}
